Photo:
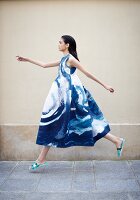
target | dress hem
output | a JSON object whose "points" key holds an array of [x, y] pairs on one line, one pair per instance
{"points": [[71, 144]]}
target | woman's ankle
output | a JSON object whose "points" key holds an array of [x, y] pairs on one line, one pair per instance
{"points": [[40, 161], [118, 142]]}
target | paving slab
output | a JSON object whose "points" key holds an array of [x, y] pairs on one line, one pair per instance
{"points": [[70, 180]]}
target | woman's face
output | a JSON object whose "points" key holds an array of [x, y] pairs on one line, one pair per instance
{"points": [[62, 46]]}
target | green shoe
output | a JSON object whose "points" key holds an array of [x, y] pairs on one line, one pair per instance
{"points": [[120, 149], [35, 165]]}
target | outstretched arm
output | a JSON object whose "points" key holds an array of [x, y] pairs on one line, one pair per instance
{"points": [[41, 64], [74, 62]]}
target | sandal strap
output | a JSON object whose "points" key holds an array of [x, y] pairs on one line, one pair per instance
{"points": [[119, 148], [34, 165]]}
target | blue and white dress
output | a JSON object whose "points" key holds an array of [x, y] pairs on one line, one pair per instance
{"points": [[70, 116]]}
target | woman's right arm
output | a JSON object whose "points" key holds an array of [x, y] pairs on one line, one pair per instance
{"points": [[42, 64]]}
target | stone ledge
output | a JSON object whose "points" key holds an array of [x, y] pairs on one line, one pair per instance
{"points": [[17, 142]]}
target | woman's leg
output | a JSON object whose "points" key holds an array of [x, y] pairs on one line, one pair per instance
{"points": [[42, 156], [116, 140]]}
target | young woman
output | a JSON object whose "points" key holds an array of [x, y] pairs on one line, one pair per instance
{"points": [[70, 116]]}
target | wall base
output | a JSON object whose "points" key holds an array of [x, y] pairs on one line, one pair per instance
{"points": [[17, 142]]}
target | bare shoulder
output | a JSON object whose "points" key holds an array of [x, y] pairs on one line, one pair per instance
{"points": [[71, 57], [71, 61]]}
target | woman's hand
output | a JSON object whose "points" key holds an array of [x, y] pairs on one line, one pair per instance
{"points": [[19, 58], [109, 88]]}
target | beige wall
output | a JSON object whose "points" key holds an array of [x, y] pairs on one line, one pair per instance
{"points": [[108, 45]]}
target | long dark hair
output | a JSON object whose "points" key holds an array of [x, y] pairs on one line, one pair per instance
{"points": [[72, 45]]}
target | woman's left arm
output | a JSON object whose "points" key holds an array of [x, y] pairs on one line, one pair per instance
{"points": [[74, 62]]}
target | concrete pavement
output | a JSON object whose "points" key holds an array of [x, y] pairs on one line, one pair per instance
{"points": [[71, 180]]}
